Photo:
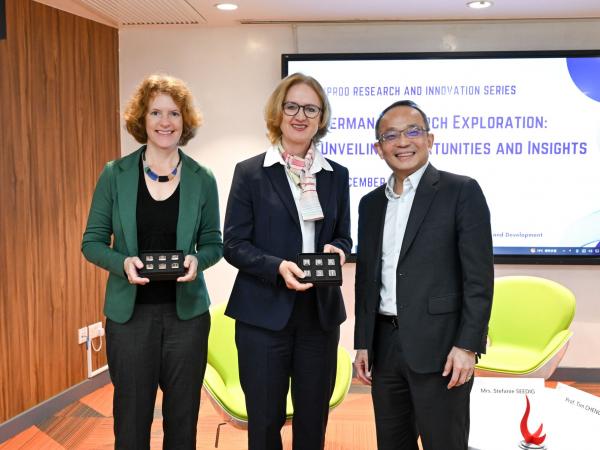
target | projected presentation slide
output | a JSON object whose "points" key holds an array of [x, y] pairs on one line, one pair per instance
{"points": [[526, 128]]}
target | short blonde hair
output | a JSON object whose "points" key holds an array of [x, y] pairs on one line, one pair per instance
{"points": [[137, 107], [274, 106]]}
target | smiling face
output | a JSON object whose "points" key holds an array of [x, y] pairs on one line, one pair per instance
{"points": [[404, 155], [299, 130], [164, 122]]}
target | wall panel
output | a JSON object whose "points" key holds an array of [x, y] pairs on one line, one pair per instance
{"points": [[59, 125]]}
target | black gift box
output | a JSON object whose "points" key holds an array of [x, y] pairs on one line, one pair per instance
{"points": [[321, 269], [162, 265]]}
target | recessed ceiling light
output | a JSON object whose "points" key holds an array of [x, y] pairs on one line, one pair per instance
{"points": [[226, 6], [480, 4]]}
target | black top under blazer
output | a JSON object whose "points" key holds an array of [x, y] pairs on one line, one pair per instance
{"points": [[262, 229], [445, 272]]}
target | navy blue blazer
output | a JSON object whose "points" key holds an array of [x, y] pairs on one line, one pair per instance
{"points": [[262, 228]]}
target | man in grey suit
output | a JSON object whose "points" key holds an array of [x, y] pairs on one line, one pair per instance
{"points": [[424, 285]]}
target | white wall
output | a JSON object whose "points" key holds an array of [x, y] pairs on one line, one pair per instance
{"points": [[232, 70]]}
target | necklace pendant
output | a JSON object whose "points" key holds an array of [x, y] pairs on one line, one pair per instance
{"points": [[154, 176]]}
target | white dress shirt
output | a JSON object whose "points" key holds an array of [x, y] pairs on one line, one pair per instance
{"points": [[396, 218], [273, 156]]}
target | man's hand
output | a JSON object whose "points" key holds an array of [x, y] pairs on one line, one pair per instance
{"points": [[290, 273], [462, 365], [361, 364]]}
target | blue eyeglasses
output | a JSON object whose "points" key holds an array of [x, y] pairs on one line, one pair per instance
{"points": [[409, 133]]}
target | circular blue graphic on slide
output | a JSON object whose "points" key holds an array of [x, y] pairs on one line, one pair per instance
{"points": [[585, 73]]}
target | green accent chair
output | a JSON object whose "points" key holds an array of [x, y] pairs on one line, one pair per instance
{"points": [[222, 380], [529, 328]]}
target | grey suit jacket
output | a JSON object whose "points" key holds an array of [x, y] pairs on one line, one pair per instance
{"points": [[445, 273]]}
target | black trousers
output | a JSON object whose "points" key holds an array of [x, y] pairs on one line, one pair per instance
{"points": [[408, 404], [267, 359], [155, 348]]}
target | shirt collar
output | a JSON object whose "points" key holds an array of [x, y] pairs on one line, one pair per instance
{"points": [[411, 181], [273, 157]]}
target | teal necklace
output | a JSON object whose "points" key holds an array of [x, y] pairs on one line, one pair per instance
{"points": [[154, 176]]}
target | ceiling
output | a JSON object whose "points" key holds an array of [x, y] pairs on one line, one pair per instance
{"points": [[123, 13]]}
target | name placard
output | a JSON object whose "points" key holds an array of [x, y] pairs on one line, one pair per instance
{"points": [[522, 414]]}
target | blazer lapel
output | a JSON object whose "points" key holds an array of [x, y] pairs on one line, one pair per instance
{"points": [[189, 203], [276, 173], [423, 197], [379, 208], [127, 190], [324, 191]]}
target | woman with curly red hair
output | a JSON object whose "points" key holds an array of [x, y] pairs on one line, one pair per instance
{"points": [[156, 199]]}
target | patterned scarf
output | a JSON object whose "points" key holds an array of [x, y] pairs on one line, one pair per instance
{"points": [[299, 171]]}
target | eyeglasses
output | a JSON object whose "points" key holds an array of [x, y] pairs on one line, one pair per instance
{"points": [[292, 108], [409, 133]]}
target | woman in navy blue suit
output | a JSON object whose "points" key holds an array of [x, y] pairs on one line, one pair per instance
{"points": [[283, 202]]}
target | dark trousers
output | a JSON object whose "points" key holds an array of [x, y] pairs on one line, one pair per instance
{"points": [[408, 404], [155, 348], [267, 359]]}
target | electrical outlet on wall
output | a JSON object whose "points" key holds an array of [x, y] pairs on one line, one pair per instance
{"points": [[82, 335], [96, 330]]}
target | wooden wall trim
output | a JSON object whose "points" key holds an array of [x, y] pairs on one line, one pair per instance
{"points": [[60, 125]]}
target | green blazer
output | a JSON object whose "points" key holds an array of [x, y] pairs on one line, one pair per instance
{"points": [[113, 215]]}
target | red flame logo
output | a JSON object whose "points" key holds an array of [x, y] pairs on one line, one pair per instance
{"points": [[534, 438]]}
